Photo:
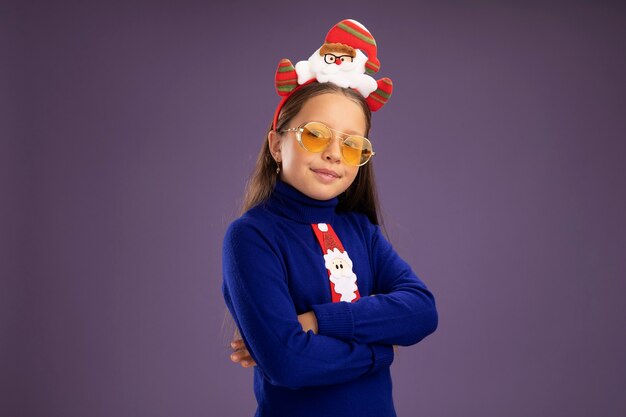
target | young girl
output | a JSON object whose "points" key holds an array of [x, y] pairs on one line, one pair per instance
{"points": [[318, 294]]}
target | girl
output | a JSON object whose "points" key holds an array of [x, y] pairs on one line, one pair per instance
{"points": [[319, 295]]}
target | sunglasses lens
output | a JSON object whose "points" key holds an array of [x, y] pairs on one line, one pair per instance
{"points": [[315, 137], [356, 150]]}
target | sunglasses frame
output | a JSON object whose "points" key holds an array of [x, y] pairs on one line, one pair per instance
{"points": [[300, 129]]}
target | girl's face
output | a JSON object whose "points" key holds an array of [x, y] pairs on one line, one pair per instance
{"points": [[323, 175]]}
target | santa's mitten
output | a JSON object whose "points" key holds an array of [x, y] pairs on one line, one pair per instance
{"points": [[378, 98], [286, 77]]}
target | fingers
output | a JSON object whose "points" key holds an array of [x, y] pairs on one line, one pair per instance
{"points": [[243, 357], [241, 354], [237, 344]]}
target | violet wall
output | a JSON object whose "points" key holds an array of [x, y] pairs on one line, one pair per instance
{"points": [[128, 130]]}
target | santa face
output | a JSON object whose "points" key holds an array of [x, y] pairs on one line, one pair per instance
{"points": [[337, 57], [339, 267], [334, 58], [335, 62], [323, 175]]}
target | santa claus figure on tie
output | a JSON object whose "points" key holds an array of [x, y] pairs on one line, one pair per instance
{"points": [[339, 266]]}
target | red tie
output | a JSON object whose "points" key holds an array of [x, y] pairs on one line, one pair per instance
{"points": [[342, 279]]}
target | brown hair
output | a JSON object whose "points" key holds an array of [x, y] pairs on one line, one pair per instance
{"points": [[361, 196], [337, 47]]}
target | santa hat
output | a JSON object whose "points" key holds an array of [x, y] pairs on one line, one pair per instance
{"points": [[352, 33]]}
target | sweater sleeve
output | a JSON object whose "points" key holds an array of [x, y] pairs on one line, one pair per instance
{"points": [[256, 293], [402, 313]]}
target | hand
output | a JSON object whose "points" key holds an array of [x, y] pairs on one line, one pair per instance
{"points": [[241, 354], [308, 321]]}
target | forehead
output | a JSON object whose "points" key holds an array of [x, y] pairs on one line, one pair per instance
{"points": [[334, 110]]}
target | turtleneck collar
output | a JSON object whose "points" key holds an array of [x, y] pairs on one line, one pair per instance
{"points": [[287, 201]]}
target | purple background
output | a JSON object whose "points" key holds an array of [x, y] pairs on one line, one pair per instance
{"points": [[129, 129]]}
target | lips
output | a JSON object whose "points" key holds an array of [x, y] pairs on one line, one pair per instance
{"points": [[326, 173]]}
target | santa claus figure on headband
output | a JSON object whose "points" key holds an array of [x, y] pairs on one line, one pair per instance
{"points": [[339, 64], [346, 58]]}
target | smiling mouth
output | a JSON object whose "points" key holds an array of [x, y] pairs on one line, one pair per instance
{"points": [[326, 174]]}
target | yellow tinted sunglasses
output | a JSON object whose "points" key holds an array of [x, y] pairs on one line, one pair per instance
{"points": [[316, 136]]}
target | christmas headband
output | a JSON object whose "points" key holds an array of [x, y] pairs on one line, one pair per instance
{"points": [[346, 59]]}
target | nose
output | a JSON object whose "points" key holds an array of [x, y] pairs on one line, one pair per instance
{"points": [[332, 152], [338, 61]]}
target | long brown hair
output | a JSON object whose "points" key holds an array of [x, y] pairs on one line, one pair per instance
{"points": [[361, 196]]}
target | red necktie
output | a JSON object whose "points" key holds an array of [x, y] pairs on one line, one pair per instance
{"points": [[342, 279]]}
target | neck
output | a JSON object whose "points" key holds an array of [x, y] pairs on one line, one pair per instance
{"points": [[289, 202]]}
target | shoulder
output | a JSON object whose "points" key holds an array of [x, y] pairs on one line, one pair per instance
{"points": [[361, 222], [252, 222]]}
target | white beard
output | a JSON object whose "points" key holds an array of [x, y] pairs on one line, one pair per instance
{"points": [[346, 75], [345, 285]]}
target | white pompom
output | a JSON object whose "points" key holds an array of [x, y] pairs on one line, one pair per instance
{"points": [[323, 227]]}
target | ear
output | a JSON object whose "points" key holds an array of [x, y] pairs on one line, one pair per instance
{"points": [[274, 141]]}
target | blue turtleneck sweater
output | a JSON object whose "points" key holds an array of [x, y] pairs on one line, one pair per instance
{"points": [[273, 271]]}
